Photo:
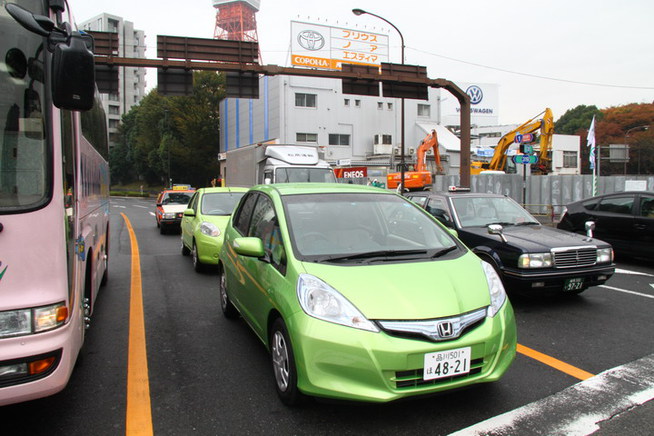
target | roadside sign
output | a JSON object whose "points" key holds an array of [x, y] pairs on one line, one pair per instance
{"points": [[351, 173], [524, 137], [525, 159]]}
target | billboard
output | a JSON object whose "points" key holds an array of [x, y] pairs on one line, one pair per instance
{"points": [[327, 47], [484, 105]]}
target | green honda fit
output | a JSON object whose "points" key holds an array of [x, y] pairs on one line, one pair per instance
{"points": [[361, 295]]}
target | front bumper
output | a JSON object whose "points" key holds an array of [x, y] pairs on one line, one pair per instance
{"points": [[340, 362], [208, 247], [61, 344], [555, 279]]}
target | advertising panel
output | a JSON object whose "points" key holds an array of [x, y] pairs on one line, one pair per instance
{"points": [[326, 47], [484, 105]]}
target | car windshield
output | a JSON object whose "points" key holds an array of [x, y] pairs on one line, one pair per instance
{"points": [[362, 227], [220, 203], [176, 198], [482, 211]]}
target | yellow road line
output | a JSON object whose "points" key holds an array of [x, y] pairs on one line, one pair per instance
{"points": [[554, 363], [138, 419]]}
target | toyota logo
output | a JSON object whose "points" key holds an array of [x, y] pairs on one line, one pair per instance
{"points": [[475, 93], [311, 40]]}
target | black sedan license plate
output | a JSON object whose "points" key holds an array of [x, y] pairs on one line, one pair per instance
{"points": [[573, 284]]}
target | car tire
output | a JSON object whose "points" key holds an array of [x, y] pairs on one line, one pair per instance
{"points": [[162, 229], [197, 265], [283, 363], [185, 250], [226, 305]]}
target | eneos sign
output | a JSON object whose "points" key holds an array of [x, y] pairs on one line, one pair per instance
{"points": [[351, 173]]}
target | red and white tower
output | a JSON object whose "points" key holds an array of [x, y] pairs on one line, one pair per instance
{"points": [[235, 19]]}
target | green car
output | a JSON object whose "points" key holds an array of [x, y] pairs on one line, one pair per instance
{"points": [[359, 294], [203, 223]]}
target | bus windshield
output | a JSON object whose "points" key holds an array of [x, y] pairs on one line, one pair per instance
{"points": [[24, 155]]}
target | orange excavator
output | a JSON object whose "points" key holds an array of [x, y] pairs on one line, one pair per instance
{"points": [[420, 177]]}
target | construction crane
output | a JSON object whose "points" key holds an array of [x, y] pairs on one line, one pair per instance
{"points": [[420, 178], [498, 162]]}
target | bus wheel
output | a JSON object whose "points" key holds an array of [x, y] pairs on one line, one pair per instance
{"points": [[88, 292]]}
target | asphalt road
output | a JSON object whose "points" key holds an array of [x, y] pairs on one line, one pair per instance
{"points": [[208, 375]]}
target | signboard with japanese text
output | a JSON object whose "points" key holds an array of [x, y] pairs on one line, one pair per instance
{"points": [[327, 47]]}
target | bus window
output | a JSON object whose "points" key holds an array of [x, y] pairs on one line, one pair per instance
{"points": [[24, 157]]}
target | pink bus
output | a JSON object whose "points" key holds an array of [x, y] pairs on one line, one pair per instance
{"points": [[54, 197]]}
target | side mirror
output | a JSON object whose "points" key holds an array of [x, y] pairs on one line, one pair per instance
{"points": [[73, 66], [189, 212], [590, 226], [249, 246], [496, 229], [73, 74]]}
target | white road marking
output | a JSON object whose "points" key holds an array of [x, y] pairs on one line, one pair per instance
{"points": [[138, 205], [637, 273], [640, 294], [121, 207], [579, 409], [151, 213]]}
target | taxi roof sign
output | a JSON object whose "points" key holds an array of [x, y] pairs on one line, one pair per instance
{"points": [[181, 187], [453, 188]]}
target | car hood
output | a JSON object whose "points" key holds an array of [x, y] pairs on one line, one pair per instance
{"points": [[219, 221], [409, 290], [538, 238], [174, 208]]}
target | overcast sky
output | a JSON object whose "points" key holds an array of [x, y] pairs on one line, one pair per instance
{"points": [[556, 54]]}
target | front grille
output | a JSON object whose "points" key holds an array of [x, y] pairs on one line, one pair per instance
{"points": [[413, 378], [572, 257]]}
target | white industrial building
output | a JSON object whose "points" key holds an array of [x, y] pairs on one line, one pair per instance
{"points": [[362, 130], [131, 80]]}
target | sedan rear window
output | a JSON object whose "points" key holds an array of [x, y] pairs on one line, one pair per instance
{"points": [[622, 205]]}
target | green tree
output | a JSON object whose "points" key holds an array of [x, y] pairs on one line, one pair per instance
{"points": [[176, 135], [577, 119]]}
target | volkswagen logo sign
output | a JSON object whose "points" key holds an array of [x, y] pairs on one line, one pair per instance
{"points": [[475, 93], [311, 40]]}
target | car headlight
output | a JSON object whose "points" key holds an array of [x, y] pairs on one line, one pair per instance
{"points": [[34, 320], [321, 301], [535, 260], [495, 289], [604, 255], [209, 229], [169, 215]]}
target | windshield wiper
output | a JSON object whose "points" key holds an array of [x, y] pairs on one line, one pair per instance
{"points": [[372, 255], [444, 251], [528, 223], [502, 223]]}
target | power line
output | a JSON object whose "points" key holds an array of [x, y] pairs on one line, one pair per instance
{"points": [[536, 76]]}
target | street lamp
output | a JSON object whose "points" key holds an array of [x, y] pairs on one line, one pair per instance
{"points": [[359, 12], [626, 135]]}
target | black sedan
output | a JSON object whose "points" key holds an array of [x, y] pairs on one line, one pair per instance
{"points": [[624, 219], [530, 257]]}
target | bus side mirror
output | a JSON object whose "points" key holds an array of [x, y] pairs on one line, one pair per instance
{"points": [[73, 66], [73, 74]]}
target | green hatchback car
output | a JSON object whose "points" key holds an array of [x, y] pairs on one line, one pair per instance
{"points": [[203, 223], [361, 295]]}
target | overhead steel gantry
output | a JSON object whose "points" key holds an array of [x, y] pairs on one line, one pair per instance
{"points": [[239, 59]]}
